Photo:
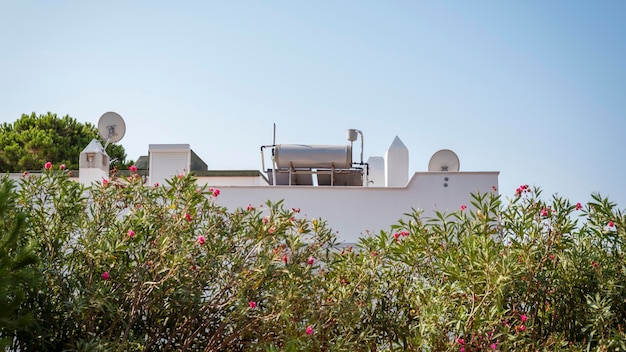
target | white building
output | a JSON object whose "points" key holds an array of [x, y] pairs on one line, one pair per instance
{"points": [[323, 181]]}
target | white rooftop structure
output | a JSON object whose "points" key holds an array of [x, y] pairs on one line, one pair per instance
{"points": [[323, 181]]}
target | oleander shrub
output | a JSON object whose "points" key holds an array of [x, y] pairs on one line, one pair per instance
{"points": [[122, 266]]}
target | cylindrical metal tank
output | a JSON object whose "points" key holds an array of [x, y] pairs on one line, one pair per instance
{"points": [[313, 156]]}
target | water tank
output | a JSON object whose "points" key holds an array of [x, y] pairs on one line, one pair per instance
{"points": [[313, 156]]}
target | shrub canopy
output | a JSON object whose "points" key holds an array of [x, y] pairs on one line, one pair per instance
{"points": [[122, 266]]}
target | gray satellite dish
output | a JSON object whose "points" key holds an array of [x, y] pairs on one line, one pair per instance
{"points": [[444, 160], [111, 127]]}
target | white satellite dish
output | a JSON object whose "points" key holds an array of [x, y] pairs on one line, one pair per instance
{"points": [[111, 127], [444, 160]]}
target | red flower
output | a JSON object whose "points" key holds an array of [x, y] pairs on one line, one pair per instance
{"points": [[285, 258], [309, 330], [200, 239], [48, 165], [460, 341], [131, 233], [216, 192], [521, 328], [252, 304], [611, 224], [311, 261], [579, 206], [463, 207], [156, 184], [249, 207], [295, 210], [594, 264], [188, 217], [524, 317], [132, 168], [105, 275]]}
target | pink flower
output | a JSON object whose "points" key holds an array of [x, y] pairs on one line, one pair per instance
{"points": [[595, 264], [460, 341], [463, 207], [311, 261], [309, 330], [271, 230], [156, 184], [105, 275], [132, 168], [131, 233], [252, 304], [105, 182], [249, 207], [462, 349], [396, 235], [524, 317], [544, 212], [63, 167], [265, 220], [494, 346], [200, 239], [48, 165], [216, 192], [295, 210], [522, 328], [188, 217], [579, 206], [522, 189], [611, 224]]}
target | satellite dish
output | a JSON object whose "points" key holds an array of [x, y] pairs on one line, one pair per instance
{"points": [[444, 160], [111, 127]]}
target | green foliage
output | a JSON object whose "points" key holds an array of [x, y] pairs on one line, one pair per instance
{"points": [[33, 140], [127, 267], [17, 261]]}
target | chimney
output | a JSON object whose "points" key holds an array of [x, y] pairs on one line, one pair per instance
{"points": [[93, 165]]}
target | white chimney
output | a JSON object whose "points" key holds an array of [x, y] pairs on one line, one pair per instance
{"points": [[93, 165], [397, 164], [377, 171]]}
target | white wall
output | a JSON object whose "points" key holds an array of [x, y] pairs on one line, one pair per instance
{"points": [[221, 181], [354, 210], [167, 160]]}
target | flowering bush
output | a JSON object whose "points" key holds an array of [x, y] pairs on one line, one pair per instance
{"points": [[122, 266]]}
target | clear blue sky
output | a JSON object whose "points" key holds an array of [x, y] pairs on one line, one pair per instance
{"points": [[533, 89]]}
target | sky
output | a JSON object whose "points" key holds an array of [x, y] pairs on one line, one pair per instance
{"points": [[533, 89]]}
